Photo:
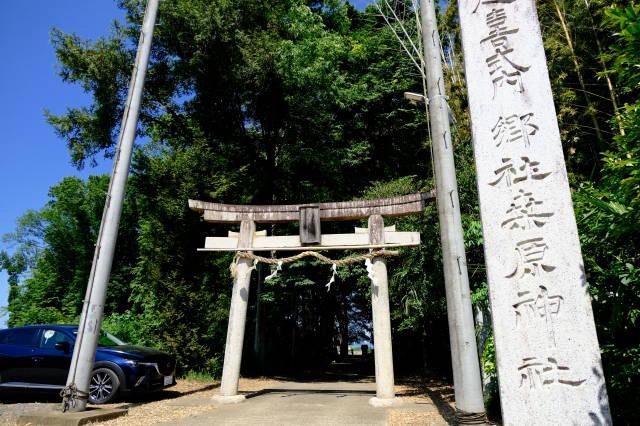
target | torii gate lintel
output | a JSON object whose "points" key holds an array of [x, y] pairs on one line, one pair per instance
{"points": [[335, 211]]}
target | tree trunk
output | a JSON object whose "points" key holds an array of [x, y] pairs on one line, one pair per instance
{"points": [[343, 321], [258, 342], [612, 92], [574, 58], [294, 327], [425, 345]]}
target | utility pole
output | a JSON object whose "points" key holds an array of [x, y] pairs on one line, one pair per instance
{"points": [[464, 353], [76, 392]]}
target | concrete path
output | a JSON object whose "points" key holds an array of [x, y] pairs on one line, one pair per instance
{"points": [[312, 403]]}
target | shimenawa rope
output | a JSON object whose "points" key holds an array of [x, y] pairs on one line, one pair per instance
{"points": [[324, 259], [465, 418], [69, 396]]}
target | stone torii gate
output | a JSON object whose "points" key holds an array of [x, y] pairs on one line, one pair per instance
{"points": [[376, 238]]}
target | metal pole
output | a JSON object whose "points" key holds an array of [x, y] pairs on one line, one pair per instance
{"points": [[76, 392], [464, 353]]}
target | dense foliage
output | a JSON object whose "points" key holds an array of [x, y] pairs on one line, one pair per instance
{"points": [[286, 101]]}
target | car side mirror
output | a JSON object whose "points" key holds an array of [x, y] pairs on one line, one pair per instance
{"points": [[63, 346]]}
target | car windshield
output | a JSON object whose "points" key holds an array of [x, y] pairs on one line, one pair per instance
{"points": [[106, 339]]}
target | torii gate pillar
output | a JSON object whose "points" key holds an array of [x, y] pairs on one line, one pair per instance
{"points": [[237, 319], [383, 353]]}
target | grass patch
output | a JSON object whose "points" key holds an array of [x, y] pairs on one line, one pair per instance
{"points": [[199, 376]]}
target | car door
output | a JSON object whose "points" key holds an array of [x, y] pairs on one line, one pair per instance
{"points": [[17, 350], [5, 359], [52, 357]]}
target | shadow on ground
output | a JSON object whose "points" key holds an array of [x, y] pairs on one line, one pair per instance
{"points": [[437, 390], [356, 369], [348, 380], [29, 396], [298, 391]]}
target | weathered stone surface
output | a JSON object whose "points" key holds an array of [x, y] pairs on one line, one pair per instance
{"points": [[381, 318], [231, 399], [347, 210], [237, 320], [385, 402], [547, 351], [55, 417]]}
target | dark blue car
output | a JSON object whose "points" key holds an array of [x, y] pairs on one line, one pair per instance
{"points": [[38, 357]]}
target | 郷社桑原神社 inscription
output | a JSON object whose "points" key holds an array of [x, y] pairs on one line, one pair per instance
{"points": [[525, 212], [547, 351], [514, 128]]}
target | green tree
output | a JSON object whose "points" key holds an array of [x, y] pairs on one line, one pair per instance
{"points": [[609, 223], [287, 101]]}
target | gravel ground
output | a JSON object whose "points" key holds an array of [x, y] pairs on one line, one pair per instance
{"points": [[428, 392], [194, 398], [190, 398]]}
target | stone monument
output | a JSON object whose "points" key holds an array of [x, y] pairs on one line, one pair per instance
{"points": [[548, 357]]}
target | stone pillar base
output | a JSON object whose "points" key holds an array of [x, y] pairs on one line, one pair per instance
{"points": [[232, 399], [385, 402]]}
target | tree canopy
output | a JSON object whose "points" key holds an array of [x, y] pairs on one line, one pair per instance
{"points": [[287, 101]]}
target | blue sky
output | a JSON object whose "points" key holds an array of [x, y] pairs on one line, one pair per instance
{"points": [[32, 157], [360, 4]]}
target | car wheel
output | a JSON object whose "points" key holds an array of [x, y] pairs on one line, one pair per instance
{"points": [[103, 386]]}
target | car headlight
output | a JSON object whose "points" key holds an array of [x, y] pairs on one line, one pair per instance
{"points": [[135, 363]]}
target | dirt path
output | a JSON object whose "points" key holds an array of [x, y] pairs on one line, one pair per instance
{"points": [[193, 398], [426, 402]]}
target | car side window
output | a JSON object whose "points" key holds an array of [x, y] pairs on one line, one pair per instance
{"points": [[22, 337], [49, 338]]}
